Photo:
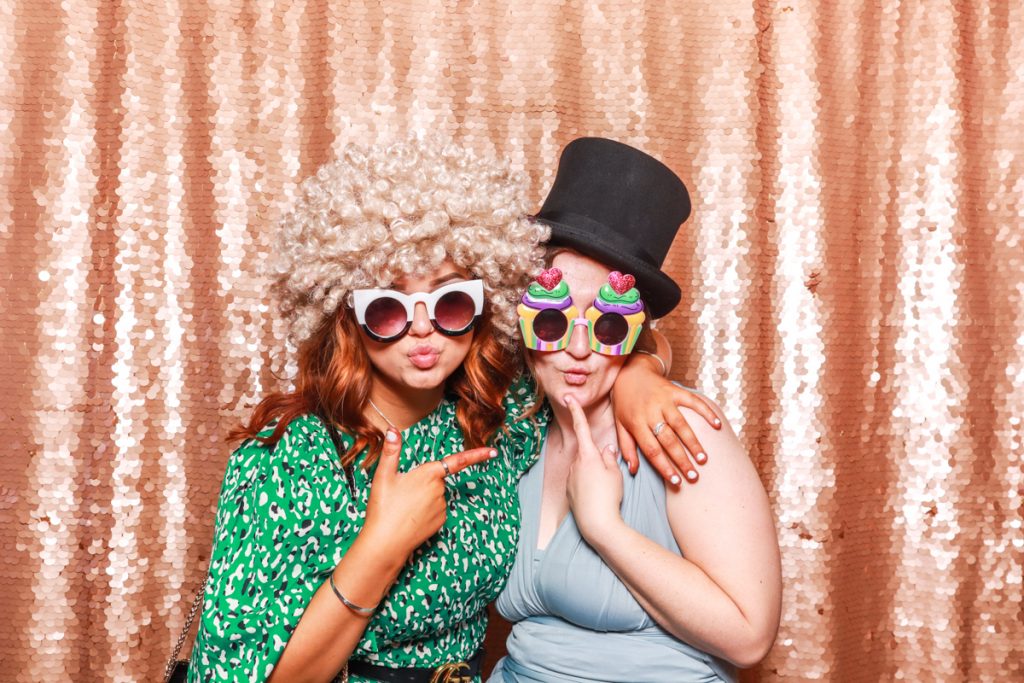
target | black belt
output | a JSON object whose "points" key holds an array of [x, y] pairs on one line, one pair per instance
{"points": [[455, 672]]}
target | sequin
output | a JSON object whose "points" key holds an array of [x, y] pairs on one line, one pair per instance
{"points": [[853, 280]]}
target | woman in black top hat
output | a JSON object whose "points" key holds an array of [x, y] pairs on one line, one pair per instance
{"points": [[621, 578]]}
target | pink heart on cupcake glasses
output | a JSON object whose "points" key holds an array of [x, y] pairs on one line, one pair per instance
{"points": [[549, 278], [621, 283]]}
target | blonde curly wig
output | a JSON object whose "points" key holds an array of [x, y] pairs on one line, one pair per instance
{"points": [[384, 212]]}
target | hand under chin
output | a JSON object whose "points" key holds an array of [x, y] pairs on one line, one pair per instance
{"points": [[582, 394]]}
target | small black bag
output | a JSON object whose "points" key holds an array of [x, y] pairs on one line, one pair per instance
{"points": [[177, 669], [179, 672]]}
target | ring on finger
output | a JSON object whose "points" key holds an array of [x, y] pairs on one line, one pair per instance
{"points": [[444, 464], [657, 428]]}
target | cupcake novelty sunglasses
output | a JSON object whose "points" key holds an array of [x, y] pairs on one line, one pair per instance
{"points": [[386, 314], [547, 315]]}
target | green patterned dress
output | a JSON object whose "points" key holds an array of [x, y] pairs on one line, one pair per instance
{"points": [[286, 517]]}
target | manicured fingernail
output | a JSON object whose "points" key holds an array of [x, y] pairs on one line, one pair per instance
{"points": [[691, 475], [718, 423], [701, 458], [675, 479], [492, 453], [391, 436]]}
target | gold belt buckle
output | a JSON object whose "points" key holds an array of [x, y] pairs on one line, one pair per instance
{"points": [[447, 673]]}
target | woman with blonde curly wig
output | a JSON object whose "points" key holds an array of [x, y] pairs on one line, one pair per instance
{"points": [[355, 532]]}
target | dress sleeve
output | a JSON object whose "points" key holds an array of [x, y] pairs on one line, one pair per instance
{"points": [[525, 427], [282, 525]]}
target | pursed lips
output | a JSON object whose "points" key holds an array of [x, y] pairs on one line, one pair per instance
{"points": [[424, 356], [575, 375]]}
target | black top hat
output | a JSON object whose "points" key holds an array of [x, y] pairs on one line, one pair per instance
{"points": [[622, 207]]}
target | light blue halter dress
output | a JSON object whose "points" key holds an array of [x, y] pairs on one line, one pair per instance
{"points": [[573, 619]]}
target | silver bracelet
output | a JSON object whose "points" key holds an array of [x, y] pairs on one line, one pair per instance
{"points": [[361, 611], [664, 368]]}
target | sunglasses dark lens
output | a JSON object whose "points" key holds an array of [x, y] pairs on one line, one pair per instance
{"points": [[386, 317], [550, 325], [611, 329], [454, 311]]}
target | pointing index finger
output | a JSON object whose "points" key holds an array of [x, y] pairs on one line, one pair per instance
{"points": [[459, 461]]}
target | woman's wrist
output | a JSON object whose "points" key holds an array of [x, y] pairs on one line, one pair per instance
{"points": [[662, 366], [381, 550], [366, 572], [364, 577], [359, 610], [601, 531]]}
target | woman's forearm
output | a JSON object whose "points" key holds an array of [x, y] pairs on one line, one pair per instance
{"points": [[663, 349], [652, 342], [682, 597], [328, 631]]}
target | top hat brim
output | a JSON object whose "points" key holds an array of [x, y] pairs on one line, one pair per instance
{"points": [[660, 292]]}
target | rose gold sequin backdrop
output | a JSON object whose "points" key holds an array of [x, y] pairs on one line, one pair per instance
{"points": [[853, 274]]}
